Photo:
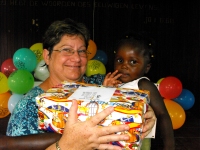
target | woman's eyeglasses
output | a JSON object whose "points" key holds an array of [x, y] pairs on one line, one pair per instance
{"points": [[69, 52]]}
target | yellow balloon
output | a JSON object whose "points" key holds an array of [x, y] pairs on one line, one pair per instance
{"points": [[37, 48], [95, 67], [176, 113], [160, 80], [3, 83], [4, 111], [91, 50]]}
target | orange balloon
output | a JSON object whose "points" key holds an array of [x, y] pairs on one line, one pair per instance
{"points": [[176, 113], [91, 50], [4, 104]]}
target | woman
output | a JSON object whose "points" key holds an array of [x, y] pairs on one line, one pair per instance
{"points": [[65, 53]]}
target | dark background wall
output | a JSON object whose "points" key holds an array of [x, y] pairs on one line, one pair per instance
{"points": [[173, 25]]}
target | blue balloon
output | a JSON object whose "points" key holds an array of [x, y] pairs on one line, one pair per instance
{"points": [[186, 99], [101, 56]]}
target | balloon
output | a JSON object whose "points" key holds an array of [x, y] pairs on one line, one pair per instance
{"points": [[186, 99], [176, 113], [95, 67], [20, 81], [25, 59], [37, 48], [101, 56], [170, 87], [36, 83], [160, 80], [3, 83], [41, 71], [4, 104], [13, 100], [91, 50], [8, 67]]}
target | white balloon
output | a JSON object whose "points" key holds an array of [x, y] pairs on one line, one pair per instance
{"points": [[13, 100], [41, 72], [36, 83]]}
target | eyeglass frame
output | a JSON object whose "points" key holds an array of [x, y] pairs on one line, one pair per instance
{"points": [[71, 51]]}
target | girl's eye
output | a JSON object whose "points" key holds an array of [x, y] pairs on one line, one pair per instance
{"points": [[133, 61], [119, 60]]}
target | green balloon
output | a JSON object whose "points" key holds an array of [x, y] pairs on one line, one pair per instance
{"points": [[20, 81]]}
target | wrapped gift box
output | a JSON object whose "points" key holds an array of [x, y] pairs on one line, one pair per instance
{"points": [[129, 107]]}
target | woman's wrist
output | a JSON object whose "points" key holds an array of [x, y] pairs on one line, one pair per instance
{"points": [[57, 146]]}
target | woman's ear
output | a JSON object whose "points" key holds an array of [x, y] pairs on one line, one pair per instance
{"points": [[46, 56], [148, 68]]}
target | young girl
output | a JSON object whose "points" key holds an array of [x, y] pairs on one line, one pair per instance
{"points": [[132, 61]]}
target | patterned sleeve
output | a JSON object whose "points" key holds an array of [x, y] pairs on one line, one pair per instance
{"points": [[24, 118], [94, 79]]}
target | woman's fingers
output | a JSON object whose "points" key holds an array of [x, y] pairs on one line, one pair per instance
{"points": [[108, 130], [72, 116], [100, 116], [113, 136], [108, 147]]}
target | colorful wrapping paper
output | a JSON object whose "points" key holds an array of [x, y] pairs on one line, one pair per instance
{"points": [[129, 107]]}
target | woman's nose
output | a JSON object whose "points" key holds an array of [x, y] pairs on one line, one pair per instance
{"points": [[75, 56]]}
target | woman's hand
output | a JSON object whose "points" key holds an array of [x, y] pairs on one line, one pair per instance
{"points": [[88, 135]]}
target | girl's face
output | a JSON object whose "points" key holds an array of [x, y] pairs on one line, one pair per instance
{"points": [[64, 67], [131, 63]]}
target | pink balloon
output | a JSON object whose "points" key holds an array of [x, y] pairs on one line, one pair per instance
{"points": [[8, 67]]}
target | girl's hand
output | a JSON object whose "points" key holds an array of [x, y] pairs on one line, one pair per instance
{"points": [[111, 79]]}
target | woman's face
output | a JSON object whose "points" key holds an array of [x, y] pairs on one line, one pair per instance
{"points": [[63, 67]]}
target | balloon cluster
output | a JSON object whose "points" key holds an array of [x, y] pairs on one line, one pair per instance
{"points": [[16, 76], [176, 99], [97, 60]]}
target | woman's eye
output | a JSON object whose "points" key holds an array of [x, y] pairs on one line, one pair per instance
{"points": [[66, 50], [82, 51]]}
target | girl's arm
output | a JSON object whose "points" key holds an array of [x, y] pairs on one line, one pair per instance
{"points": [[163, 118]]}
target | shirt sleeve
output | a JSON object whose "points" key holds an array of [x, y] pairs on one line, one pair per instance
{"points": [[94, 79], [24, 118]]}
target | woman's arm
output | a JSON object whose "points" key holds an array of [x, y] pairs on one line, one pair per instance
{"points": [[28, 142]]}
